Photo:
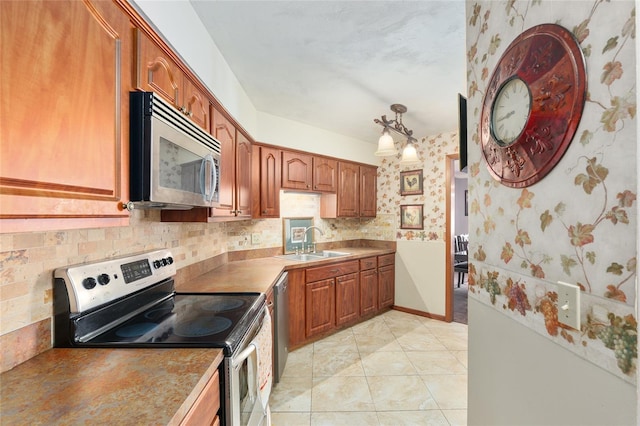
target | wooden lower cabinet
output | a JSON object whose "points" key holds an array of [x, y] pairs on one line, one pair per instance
{"points": [[347, 299], [386, 280], [320, 307], [368, 292], [205, 410], [327, 298]]}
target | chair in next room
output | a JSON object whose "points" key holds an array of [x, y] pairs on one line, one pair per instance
{"points": [[461, 257]]}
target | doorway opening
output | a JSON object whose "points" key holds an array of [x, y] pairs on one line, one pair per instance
{"points": [[457, 229]]}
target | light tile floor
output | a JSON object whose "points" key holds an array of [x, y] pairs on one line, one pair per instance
{"points": [[394, 369]]}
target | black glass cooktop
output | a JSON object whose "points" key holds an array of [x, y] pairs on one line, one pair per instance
{"points": [[213, 320]]}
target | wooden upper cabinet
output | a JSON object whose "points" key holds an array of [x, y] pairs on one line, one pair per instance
{"points": [[266, 180], [196, 105], [297, 170], [356, 195], [368, 191], [235, 170], [157, 72], [325, 174], [65, 166], [225, 132], [349, 190], [307, 172], [244, 153]]}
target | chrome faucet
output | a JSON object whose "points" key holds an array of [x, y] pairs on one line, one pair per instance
{"points": [[305, 237]]}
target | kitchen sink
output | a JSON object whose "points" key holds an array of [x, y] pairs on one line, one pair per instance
{"points": [[307, 257], [328, 253]]}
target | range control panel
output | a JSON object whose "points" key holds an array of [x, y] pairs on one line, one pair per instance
{"points": [[93, 284]]}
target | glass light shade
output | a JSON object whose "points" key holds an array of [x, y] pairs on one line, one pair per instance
{"points": [[386, 145], [409, 154]]}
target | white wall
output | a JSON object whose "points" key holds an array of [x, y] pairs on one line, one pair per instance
{"points": [[180, 27], [557, 389], [292, 134], [178, 23], [420, 272], [461, 224]]}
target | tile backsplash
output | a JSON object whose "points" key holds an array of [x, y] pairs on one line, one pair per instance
{"points": [[27, 260]]}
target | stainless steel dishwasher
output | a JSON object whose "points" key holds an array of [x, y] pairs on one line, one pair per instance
{"points": [[281, 326]]}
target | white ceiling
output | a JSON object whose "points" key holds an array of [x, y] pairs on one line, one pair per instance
{"points": [[338, 65]]}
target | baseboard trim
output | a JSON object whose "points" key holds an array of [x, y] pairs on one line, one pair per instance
{"points": [[420, 313]]}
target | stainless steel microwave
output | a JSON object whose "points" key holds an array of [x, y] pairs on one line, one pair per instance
{"points": [[174, 164]]}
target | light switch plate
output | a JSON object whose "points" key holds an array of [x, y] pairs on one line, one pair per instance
{"points": [[569, 304], [256, 238]]}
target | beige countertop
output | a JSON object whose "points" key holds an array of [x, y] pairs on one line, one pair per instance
{"points": [[259, 275], [106, 386]]}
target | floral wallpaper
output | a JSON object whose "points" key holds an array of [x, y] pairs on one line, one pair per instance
{"points": [[433, 151], [579, 224]]}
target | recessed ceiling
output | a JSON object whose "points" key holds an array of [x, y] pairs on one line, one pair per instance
{"points": [[337, 65]]}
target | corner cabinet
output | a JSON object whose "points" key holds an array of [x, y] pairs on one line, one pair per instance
{"points": [[356, 195], [65, 167]]}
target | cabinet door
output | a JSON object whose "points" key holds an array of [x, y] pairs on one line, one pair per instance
{"points": [[368, 292], [243, 176], [196, 105], [266, 180], [156, 72], [368, 191], [296, 170], [347, 299], [348, 190], [225, 132], [320, 307], [205, 410], [325, 174], [66, 73], [386, 286]]}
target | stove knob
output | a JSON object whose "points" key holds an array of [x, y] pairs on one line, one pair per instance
{"points": [[103, 279], [170, 260], [164, 262], [89, 283], [157, 264]]}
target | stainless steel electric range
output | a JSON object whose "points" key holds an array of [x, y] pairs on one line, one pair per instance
{"points": [[131, 302]]}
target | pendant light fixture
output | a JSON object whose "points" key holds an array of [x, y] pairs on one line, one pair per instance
{"points": [[386, 145]]}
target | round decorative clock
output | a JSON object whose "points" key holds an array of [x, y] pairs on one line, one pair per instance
{"points": [[533, 105]]}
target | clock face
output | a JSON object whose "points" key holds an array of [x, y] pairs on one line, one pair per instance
{"points": [[510, 111], [532, 105]]}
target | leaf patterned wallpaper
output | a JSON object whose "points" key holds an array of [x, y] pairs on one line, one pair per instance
{"points": [[432, 151], [579, 224]]}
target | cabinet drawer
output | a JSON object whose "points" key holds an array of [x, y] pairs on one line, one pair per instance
{"points": [[205, 410], [386, 259], [331, 271], [368, 263]]}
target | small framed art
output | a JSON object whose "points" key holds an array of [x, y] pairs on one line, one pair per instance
{"points": [[411, 216], [293, 232], [411, 182]]}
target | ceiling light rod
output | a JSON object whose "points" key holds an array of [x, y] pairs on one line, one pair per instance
{"points": [[396, 125]]}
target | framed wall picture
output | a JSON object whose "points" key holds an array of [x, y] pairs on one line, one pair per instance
{"points": [[411, 216], [293, 232], [411, 182]]}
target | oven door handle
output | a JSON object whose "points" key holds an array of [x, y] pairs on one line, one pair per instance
{"points": [[238, 360]]}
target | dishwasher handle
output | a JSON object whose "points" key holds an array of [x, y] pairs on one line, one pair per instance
{"points": [[281, 284]]}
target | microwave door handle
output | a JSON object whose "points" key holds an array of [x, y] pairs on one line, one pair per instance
{"points": [[208, 191]]}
